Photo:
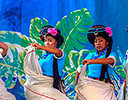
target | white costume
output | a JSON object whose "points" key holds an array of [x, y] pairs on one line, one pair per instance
{"points": [[91, 89], [38, 86]]}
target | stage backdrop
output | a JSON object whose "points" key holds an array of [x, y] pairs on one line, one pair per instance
{"points": [[21, 20]]}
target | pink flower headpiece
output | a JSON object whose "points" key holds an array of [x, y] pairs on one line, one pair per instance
{"points": [[45, 31], [109, 31], [52, 31]]}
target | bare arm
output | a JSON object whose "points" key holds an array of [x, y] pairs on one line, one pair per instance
{"points": [[53, 50], [99, 61], [4, 48], [76, 78]]}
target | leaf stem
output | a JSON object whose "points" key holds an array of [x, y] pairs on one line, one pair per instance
{"points": [[69, 75]]}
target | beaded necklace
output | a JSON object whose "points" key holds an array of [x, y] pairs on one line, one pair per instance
{"points": [[101, 53], [45, 55]]}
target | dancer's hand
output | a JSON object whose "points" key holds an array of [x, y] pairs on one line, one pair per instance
{"points": [[86, 61], [37, 46]]}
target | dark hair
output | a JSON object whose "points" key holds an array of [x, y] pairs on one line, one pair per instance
{"points": [[58, 37], [95, 31], [104, 67]]}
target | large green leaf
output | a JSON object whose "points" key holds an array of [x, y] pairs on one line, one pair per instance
{"points": [[15, 38], [75, 59], [35, 27], [74, 29], [12, 65]]}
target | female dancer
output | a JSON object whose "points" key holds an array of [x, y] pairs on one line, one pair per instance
{"points": [[97, 85], [47, 84]]}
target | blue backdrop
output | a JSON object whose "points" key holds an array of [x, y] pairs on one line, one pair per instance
{"points": [[15, 15]]}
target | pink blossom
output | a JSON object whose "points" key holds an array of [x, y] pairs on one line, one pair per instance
{"points": [[108, 30], [52, 31]]}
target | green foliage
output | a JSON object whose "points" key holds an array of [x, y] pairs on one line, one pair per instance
{"points": [[35, 27], [12, 65], [74, 29], [74, 32], [120, 70], [15, 38]]}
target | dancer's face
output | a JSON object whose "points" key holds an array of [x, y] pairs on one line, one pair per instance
{"points": [[100, 44], [50, 41]]}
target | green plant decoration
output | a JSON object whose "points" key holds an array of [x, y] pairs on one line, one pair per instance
{"points": [[12, 65]]}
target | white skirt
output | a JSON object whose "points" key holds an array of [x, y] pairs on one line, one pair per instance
{"points": [[91, 89], [38, 86]]}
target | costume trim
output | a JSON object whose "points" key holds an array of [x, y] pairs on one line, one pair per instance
{"points": [[38, 93], [61, 56]]}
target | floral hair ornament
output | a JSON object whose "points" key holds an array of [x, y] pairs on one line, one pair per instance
{"points": [[109, 31], [52, 31], [99, 30], [45, 31]]}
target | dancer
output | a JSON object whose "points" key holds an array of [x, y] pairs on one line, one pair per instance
{"points": [[97, 84], [43, 77]]}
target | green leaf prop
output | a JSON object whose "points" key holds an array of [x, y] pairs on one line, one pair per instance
{"points": [[12, 65], [75, 59], [35, 27], [15, 38], [74, 29]]}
